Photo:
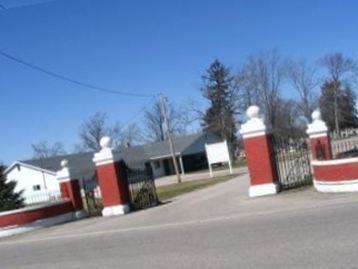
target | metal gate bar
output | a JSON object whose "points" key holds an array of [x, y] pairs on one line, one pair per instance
{"points": [[292, 162], [142, 189]]}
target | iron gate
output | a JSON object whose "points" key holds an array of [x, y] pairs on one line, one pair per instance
{"points": [[142, 189], [292, 162], [92, 202]]}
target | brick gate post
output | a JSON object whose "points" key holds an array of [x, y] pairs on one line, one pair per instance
{"points": [[70, 189], [320, 143], [112, 179], [259, 155]]}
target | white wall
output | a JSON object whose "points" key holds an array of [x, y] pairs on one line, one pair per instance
{"points": [[27, 178], [159, 171]]}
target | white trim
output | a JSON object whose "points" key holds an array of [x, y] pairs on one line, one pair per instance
{"points": [[318, 135], [7, 170], [336, 186], [105, 156], [263, 189], [181, 165], [254, 135], [81, 214], [334, 162], [164, 156], [65, 179], [42, 223], [318, 126], [253, 126], [65, 175], [115, 210]]}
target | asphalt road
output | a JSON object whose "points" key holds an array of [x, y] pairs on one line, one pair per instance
{"points": [[219, 227]]}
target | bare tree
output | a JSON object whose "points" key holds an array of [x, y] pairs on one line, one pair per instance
{"points": [[131, 135], [154, 121], [259, 83], [340, 69], [43, 150], [96, 127], [245, 86], [304, 80], [288, 123]]}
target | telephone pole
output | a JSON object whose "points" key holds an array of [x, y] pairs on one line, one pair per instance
{"points": [[170, 140]]}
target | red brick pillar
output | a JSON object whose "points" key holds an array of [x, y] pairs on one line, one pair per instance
{"points": [[112, 179], [70, 189], [259, 155], [320, 143]]}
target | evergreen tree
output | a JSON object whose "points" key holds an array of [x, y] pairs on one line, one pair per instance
{"points": [[346, 105], [9, 199], [219, 118], [340, 70]]}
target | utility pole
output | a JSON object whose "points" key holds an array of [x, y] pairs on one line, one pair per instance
{"points": [[170, 140]]}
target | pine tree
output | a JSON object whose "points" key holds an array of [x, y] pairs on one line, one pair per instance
{"points": [[9, 199], [346, 105], [219, 118]]}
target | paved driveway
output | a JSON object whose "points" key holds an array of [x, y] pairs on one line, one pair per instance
{"points": [[167, 180], [218, 227]]}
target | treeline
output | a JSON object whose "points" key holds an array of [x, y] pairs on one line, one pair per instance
{"points": [[286, 90], [264, 78]]}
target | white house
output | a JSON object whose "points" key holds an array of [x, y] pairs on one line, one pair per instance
{"points": [[37, 179], [37, 184]]}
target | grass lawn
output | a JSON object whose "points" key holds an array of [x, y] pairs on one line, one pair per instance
{"points": [[172, 190], [240, 163]]}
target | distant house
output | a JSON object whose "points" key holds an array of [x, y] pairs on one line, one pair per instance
{"points": [[38, 176]]}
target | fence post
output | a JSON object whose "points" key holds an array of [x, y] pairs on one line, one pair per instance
{"points": [[70, 189], [112, 179], [259, 155], [320, 143]]}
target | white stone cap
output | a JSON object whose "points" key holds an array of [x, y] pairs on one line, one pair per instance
{"points": [[255, 126], [318, 127], [66, 173], [106, 154]]}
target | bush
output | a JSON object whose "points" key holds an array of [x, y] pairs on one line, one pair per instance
{"points": [[9, 199]]}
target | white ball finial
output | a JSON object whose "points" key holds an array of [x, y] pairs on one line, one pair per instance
{"points": [[316, 115], [64, 163], [105, 142], [253, 112]]}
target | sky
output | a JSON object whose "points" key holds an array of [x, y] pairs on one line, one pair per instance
{"points": [[141, 47]]}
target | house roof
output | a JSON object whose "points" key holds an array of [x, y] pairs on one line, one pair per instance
{"points": [[54, 163], [134, 154], [159, 149]]}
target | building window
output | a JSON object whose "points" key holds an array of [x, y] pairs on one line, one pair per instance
{"points": [[157, 164], [36, 187]]}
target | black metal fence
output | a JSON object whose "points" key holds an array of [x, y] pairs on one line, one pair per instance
{"points": [[142, 189], [292, 162], [92, 203]]}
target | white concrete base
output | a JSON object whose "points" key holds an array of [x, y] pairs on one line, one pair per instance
{"points": [[115, 210], [336, 186], [42, 223], [263, 189], [81, 214]]}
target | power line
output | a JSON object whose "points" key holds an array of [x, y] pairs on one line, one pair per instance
{"points": [[71, 80]]}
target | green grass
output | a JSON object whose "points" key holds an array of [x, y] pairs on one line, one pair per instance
{"points": [[240, 163], [169, 191]]}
